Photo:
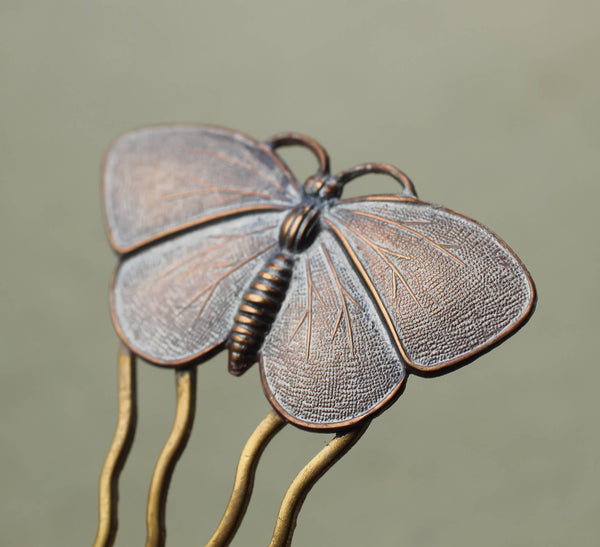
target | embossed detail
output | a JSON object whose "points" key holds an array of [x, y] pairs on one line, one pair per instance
{"points": [[451, 304], [172, 302], [300, 228], [321, 371], [344, 294], [161, 180], [258, 311], [262, 302], [336, 297]]}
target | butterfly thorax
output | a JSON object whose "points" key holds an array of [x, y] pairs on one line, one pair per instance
{"points": [[300, 227], [266, 293]]}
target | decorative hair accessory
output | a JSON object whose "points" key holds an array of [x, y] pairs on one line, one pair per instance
{"points": [[338, 300]]}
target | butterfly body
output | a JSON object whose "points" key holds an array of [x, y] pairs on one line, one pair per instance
{"points": [[258, 311], [337, 298], [267, 292]]}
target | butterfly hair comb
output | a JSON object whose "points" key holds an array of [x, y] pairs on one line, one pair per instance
{"points": [[337, 300]]}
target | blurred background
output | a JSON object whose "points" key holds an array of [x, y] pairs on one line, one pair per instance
{"points": [[492, 108]]}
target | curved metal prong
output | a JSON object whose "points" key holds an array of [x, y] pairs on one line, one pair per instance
{"points": [[108, 490], [298, 139], [378, 168], [306, 479], [182, 427], [244, 479]]}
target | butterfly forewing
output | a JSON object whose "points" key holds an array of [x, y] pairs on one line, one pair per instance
{"points": [[329, 359], [446, 286], [162, 179], [176, 300]]}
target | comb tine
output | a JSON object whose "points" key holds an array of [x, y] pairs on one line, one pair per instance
{"points": [[108, 490], [244, 479], [306, 479], [182, 427]]}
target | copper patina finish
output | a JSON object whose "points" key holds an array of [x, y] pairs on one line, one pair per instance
{"points": [[339, 299]]}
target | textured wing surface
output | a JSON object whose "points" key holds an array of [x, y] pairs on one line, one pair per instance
{"points": [[176, 300], [447, 287], [329, 359], [162, 179]]}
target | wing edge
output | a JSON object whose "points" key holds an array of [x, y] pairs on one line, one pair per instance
{"points": [[383, 405], [388, 401], [461, 359], [196, 359], [218, 216]]}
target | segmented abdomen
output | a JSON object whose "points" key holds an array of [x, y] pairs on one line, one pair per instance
{"points": [[259, 308]]}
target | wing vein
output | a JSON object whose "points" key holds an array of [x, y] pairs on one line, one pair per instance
{"points": [[214, 191], [337, 324], [298, 325], [369, 283], [197, 256], [310, 291], [378, 250], [239, 164], [342, 292], [403, 226], [223, 276]]}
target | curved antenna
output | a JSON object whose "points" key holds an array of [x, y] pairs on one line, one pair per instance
{"points": [[379, 169], [108, 490], [244, 479], [306, 479], [297, 139], [182, 427]]}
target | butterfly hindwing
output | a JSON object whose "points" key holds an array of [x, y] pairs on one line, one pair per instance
{"points": [[447, 287], [329, 359], [159, 180], [175, 301]]}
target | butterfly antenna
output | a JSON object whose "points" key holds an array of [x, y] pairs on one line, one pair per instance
{"points": [[244, 479], [306, 479], [118, 452], [297, 139], [377, 169], [185, 381]]}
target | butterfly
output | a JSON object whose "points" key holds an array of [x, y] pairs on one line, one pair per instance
{"points": [[337, 299]]}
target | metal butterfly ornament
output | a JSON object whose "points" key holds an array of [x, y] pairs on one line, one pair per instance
{"points": [[338, 299]]}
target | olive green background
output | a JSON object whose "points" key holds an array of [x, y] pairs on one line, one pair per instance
{"points": [[492, 108]]}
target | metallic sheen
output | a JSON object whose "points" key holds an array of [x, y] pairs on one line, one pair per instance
{"points": [[163, 471], [108, 491], [244, 479], [338, 299], [264, 298], [306, 479]]}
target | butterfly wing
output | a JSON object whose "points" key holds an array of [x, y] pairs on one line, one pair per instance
{"points": [[175, 301], [329, 359], [159, 180], [446, 286]]}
